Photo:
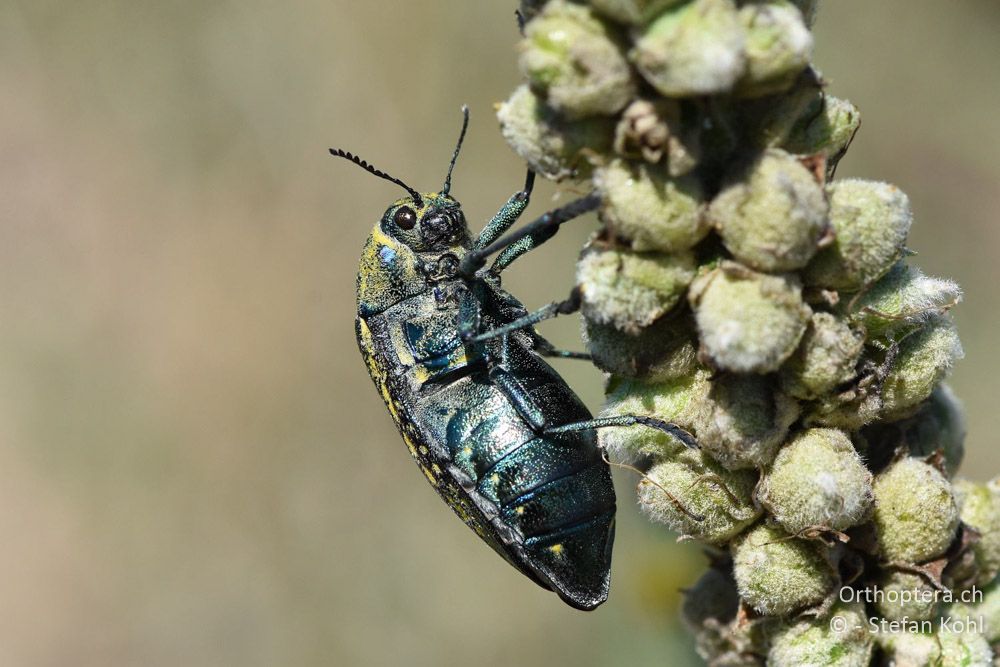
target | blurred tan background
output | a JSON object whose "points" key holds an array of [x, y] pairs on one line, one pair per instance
{"points": [[194, 467]]}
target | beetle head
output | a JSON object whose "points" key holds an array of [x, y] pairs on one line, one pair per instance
{"points": [[434, 225], [429, 223]]}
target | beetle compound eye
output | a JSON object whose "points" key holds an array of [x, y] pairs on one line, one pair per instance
{"points": [[405, 218]]}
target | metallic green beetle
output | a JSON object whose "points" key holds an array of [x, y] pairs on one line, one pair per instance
{"points": [[496, 431]]}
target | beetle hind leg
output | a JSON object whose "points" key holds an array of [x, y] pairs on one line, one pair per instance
{"points": [[669, 428]]}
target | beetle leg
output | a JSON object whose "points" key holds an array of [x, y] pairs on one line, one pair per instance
{"points": [[547, 349], [507, 215], [545, 231], [628, 420], [469, 315], [542, 229], [554, 309]]}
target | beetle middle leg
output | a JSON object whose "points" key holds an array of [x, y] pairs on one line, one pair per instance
{"points": [[554, 309]]}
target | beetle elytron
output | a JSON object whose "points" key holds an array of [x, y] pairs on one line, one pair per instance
{"points": [[495, 429]]}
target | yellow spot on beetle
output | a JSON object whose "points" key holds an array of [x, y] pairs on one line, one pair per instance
{"points": [[520, 510], [557, 549]]}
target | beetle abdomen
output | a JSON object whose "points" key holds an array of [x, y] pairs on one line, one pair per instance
{"points": [[553, 493], [475, 420]]}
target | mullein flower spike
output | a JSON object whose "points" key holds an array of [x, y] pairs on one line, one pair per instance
{"points": [[739, 290]]}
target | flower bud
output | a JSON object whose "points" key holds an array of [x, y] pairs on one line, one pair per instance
{"points": [[709, 612], [629, 290], [870, 221], [808, 9], [712, 598], [571, 58], [906, 649], [748, 322], [826, 127], [772, 218], [671, 400], [980, 509], [741, 420], [817, 479], [551, 145], [665, 350], [826, 358], [903, 298], [650, 210], [939, 425], [986, 608], [813, 640], [654, 130], [777, 574], [696, 48], [924, 359], [905, 596], [721, 499], [632, 11], [778, 46], [915, 512], [770, 120]]}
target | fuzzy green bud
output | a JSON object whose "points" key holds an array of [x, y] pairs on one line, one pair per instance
{"points": [[553, 146], [665, 350], [848, 411], [642, 205], [870, 221], [987, 608], [709, 612], [905, 596], [712, 598], [925, 358], [980, 509], [741, 420], [903, 298], [632, 11], [675, 400], [696, 48], [770, 120], [570, 57], [631, 290], [915, 515], [778, 46], [777, 574], [817, 480], [772, 219], [652, 130], [706, 501], [939, 425], [839, 640], [748, 321], [808, 9], [939, 649], [826, 127], [826, 358]]}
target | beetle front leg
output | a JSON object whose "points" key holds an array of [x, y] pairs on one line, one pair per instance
{"points": [[507, 215], [534, 233], [469, 315]]}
